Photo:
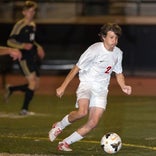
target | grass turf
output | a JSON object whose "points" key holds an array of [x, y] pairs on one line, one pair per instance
{"points": [[132, 117]]}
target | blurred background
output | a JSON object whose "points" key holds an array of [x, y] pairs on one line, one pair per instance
{"points": [[66, 28]]}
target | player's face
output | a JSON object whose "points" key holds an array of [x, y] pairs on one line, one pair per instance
{"points": [[29, 13], [110, 40]]}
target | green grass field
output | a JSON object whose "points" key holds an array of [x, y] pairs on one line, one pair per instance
{"points": [[132, 117]]}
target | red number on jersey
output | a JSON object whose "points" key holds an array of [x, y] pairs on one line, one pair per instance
{"points": [[108, 69]]}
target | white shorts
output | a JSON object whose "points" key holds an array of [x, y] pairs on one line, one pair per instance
{"points": [[97, 94]]}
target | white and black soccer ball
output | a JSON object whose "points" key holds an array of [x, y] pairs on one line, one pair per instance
{"points": [[111, 143]]}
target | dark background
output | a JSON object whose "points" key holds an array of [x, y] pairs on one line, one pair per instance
{"points": [[68, 42]]}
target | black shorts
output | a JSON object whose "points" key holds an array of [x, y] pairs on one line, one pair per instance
{"points": [[27, 67]]}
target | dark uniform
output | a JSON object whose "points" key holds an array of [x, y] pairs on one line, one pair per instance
{"points": [[23, 33]]}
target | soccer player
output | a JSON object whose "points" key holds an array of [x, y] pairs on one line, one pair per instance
{"points": [[94, 67], [23, 38], [14, 53]]}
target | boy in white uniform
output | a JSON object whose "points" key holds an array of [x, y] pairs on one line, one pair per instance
{"points": [[95, 67]]}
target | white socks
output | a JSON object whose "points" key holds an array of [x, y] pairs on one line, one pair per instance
{"points": [[64, 122], [73, 138]]}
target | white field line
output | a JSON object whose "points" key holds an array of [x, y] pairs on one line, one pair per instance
{"points": [[7, 154], [85, 141], [17, 116]]}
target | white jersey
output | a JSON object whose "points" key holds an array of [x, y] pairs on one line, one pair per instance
{"points": [[97, 63]]}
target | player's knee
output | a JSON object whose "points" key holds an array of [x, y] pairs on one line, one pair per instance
{"points": [[33, 82], [83, 113], [93, 123]]}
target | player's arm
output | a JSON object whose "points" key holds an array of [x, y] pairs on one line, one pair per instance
{"points": [[4, 50], [121, 81], [68, 79], [13, 38], [18, 45], [40, 50], [14, 53]]}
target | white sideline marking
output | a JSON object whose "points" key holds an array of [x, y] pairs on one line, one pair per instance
{"points": [[126, 144], [16, 115], [86, 141], [7, 154]]}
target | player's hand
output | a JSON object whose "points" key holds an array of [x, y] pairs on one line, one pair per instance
{"points": [[40, 52], [15, 54], [127, 89], [27, 46], [59, 92]]}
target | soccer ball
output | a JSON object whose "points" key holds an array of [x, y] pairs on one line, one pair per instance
{"points": [[111, 143]]}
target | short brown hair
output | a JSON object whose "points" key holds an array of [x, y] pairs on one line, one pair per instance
{"points": [[30, 4], [110, 27]]}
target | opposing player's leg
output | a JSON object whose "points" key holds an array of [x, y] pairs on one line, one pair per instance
{"points": [[29, 93], [81, 112], [63, 146], [8, 93], [95, 114], [9, 89], [58, 127]]}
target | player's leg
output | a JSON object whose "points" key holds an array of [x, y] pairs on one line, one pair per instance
{"points": [[81, 112], [28, 68], [95, 114], [29, 93], [10, 89], [22, 88]]}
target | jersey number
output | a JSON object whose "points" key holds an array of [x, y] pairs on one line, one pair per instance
{"points": [[108, 69], [32, 36]]}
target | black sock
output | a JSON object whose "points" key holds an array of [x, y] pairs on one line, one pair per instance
{"points": [[28, 97], [22, 88]]}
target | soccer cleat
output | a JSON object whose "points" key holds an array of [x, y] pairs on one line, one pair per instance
{"points": [[63, 146], [26, 112], [23, 112], [54, 132], [8, 93]]}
